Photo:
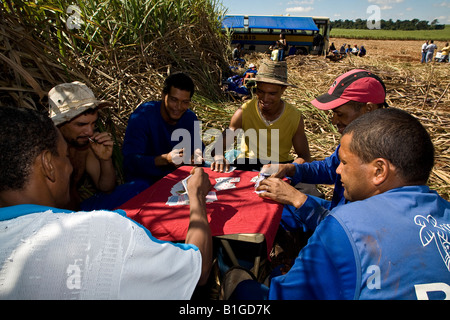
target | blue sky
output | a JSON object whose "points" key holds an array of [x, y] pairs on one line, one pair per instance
{"points": [[427, 10]]}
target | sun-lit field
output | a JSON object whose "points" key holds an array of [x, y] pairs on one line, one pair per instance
{"points": [[421, 89], [437, 35]]}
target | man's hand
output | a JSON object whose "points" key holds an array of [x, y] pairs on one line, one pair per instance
{"points": [[175, 157], [279, 170], [197, 157], [282, 192], [198, 183], [102, 145], [99, 164], [220, 164], [299, 160]]}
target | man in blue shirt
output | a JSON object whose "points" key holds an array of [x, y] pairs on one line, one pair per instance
{"points": [[352, 94], [391, 240], [151, 146]]}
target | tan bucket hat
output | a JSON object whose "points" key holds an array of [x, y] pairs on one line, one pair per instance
{"points": [[273, 72], [68, 100]]}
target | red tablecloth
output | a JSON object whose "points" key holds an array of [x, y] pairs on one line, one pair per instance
{"points": [[237, 210]]}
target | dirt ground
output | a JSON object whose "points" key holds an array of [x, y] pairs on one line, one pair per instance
{"points": [[421, 89], [397, 50]]}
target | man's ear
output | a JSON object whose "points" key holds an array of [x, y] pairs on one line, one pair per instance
{"points": [[48, 167], [370, 107], [381, 171]]}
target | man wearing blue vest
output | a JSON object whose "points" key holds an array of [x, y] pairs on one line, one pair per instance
{"points": [[392, 240]]}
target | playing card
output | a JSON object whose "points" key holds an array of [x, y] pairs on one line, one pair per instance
{"points": [[225, 185], [260, 178], [211, 197], [184, 183], [172, 201]]}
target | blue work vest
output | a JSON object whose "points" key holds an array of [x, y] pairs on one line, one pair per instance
{"points": [[401, 242]]}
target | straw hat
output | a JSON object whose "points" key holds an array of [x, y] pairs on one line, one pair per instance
{"points": [[68, 100], [273, 72]]}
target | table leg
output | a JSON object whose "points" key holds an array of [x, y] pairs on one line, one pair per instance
{"points": [[235, 261], [256, 266], [229, 251]]}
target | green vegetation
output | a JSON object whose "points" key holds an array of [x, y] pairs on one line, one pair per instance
{"points": [[106, 42], [414, 24], [437, 35]]}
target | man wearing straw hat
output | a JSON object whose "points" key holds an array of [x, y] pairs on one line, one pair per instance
{"points": [[267, 115], [74, 110]]}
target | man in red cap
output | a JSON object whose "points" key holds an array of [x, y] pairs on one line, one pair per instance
{"points": [[351, 95]]}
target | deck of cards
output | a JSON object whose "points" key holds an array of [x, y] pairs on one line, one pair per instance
{"points": [[258, 180], [179, 194], [226, 183]]}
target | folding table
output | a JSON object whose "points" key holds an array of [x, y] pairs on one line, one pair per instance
{"points": [[237, 214]]}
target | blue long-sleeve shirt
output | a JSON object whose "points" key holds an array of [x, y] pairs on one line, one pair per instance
{"points": [[316, 172], [148, 136], [322, 172]]}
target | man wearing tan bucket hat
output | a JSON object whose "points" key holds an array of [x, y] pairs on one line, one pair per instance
{"points": [[74, 110], [267, 114]]}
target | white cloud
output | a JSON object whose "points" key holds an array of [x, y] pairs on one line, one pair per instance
{"points": [[385, 2], [300, 2], [443, 19], [444, 4], [299, 9]]}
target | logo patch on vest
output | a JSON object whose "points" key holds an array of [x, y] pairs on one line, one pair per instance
{"points": [[430, 231]]}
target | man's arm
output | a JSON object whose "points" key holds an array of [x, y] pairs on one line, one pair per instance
{"points": [[282, 192], [309, 211], [137, 161], [99, 164], [220, 164], [300, 143], [318, 172], [325, 268], [199, 232]]}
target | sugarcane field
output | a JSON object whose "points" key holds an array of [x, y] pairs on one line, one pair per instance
{"points": [[128, 71]]}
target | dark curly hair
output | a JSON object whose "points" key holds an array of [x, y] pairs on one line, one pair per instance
{"points": [[181, 81], [397, 136], [24, 134]]}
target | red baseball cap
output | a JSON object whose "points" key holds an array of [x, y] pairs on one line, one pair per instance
{"points": [[356, 85]]}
